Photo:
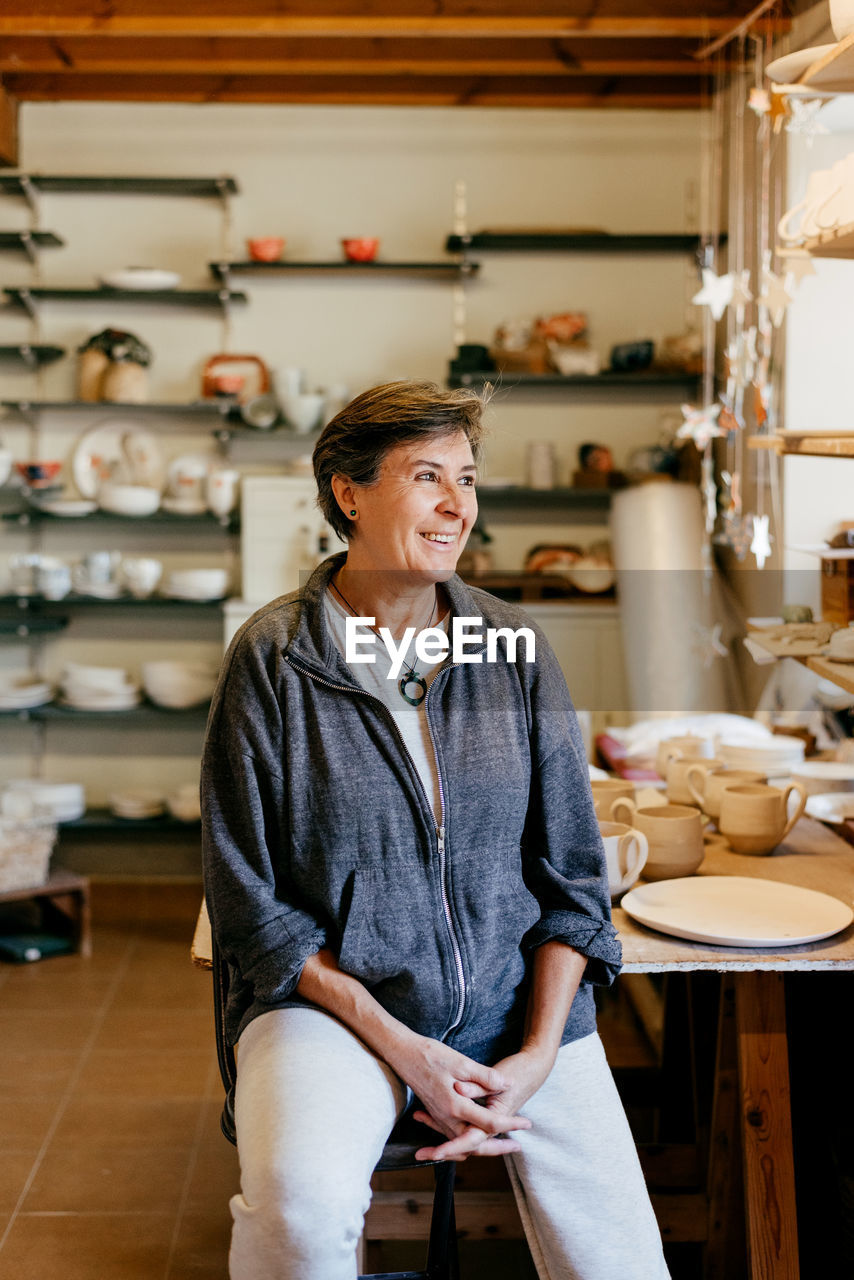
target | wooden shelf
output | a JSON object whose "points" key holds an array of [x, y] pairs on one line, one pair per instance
{"points": [[31, 354], [839, 673], [32, 515], [18, 183], [838, 243], [28, 242], [105, 820], [415, 270], [200, 408], [517, 497], [813, 444], [31, 607], [633, 382], [509, 241], [145, 713], [27, 299], [834, 73]]}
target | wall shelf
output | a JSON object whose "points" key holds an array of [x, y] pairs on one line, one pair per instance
{"points": [[509, 241], [28, 299], [415, 270], [838, 243], [198, 408], [513, 497], [17, 184], [105, 820], [632, 382], [32, 515], [28, 242], [31, 354], [30, 607], [811, 444], [145, 713]]}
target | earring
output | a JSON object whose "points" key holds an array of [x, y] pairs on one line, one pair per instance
{"points": [[353, 512]]}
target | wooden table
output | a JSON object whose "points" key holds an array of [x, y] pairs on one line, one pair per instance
{"points": [[814, 858]]}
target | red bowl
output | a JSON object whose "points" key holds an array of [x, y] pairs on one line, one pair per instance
{"points": [[266, 248], [360, 249], [38, 475]]}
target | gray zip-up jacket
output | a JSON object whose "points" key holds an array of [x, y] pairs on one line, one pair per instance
{"points": [[317, 830]]}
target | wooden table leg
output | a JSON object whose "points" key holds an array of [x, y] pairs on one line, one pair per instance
{"points": [[766, 1126], [725, 1256]]}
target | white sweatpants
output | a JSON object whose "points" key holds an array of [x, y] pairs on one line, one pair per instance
{"points": [[314, 1107]]}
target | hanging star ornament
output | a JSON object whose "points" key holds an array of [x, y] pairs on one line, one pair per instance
{"points": [[737, 532], [741, 361], [760, 543], [759, 101], [709, 490], [775, 296], [700, 425], [779, 110], [708, 644], [716, 292], [804, 119], [741, 294]]}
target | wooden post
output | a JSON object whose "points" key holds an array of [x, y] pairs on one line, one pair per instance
{"points": [[725, 1256], [766, 1126], [8, 128]]}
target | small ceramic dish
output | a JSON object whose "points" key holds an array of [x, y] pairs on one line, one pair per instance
{"points": [[141, 278]]}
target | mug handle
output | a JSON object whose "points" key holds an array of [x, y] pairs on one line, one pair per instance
{"points": [[822, 205], [791, 237], [631, 873], [795, 786], [695, 770], [618, 804]]}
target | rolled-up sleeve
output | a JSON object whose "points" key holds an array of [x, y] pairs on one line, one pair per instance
{"points": [[563, 855]]}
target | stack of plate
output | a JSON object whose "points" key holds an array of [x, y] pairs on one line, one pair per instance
{"points": [[30, 797], [184, 803], [98, 688], [196, 584], [776, 757], [139, 803], [22, 689]]}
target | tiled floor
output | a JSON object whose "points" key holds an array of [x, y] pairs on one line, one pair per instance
{"points": [[112, 1163]]}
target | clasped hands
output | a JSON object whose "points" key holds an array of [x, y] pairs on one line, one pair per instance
{"points": [[474, 1106]]}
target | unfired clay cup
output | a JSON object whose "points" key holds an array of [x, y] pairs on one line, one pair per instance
{"points": [[674, 833], [678, 768], [706, 785], [754, 817], [626, 852], [606, 791], [673, 748]]}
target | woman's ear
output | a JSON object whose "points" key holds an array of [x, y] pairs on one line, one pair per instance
{"points": [[345, 494]]}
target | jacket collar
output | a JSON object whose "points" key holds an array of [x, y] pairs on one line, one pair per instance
{"points": [[312, 642]]}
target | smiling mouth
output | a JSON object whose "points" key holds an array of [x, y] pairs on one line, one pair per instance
{"points": [[440, 539]]}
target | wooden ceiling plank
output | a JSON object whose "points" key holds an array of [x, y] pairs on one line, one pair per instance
{"points": [[8, 128], [14, 20]]}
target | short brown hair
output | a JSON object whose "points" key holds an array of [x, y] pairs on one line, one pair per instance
{"points": [[358, 438]]}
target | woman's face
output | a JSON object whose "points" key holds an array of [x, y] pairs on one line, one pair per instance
{"points": [[418, 515]]}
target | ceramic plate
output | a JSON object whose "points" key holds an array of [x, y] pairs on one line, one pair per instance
{"points": [[786, 70], [142, 278], [120, 446], [831, 806], [737, 911]]}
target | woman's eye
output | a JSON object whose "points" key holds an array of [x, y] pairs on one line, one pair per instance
{"points": [[426, 475], [468, 481]]}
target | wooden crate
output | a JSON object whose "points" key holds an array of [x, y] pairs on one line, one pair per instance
{"points": [[837, 590]]}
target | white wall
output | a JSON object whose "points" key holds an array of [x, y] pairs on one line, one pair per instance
{"points": [[313, 175]]}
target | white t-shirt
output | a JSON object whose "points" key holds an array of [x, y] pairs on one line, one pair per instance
{"points": [[374, 678]]}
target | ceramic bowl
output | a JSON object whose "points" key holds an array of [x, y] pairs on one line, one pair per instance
{"points": [[38, 475], [198, 583], [265, 248], [178, 684], [5, 465], [818, 777], [304, 412], [360, 248], [128, 499]]}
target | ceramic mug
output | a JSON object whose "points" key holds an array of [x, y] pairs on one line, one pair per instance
{"points": [[706, 785], [754, 816], [822, 186], [606, 791], [221, 490], [53, 578], [626, 852], [678, 769], [674, 834], [141, 574], [98, 569], [688, 745]]}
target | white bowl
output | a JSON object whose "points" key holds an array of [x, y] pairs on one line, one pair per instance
{"points": [[303, 411], [197, 583], [178, 684], [820, 776], [142, 278], [128, 499], [591, 575], [107, 679]]}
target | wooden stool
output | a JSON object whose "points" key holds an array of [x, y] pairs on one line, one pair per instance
{"points": [[66, 897]]}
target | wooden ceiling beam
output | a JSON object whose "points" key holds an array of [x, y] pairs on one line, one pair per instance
{"points": [[405, 90], [18, 19], [8, 128]]}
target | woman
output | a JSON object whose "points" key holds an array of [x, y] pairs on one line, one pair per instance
{"points": [[404, 870]]}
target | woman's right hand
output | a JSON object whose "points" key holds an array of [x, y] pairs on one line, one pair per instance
{"points": [[433, 1070]]}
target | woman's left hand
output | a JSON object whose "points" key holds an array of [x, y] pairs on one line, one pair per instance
{"points": [[525, 1072]]}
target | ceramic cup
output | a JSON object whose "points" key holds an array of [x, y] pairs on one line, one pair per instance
{"points": [[678, 768], [141, 574], [822, 185], [706, 785], [626, 852], [841, 644], [754, 817], [98, 568], [53, 578], [673, 748], [674, 834], [606, 791], [842, 18], [221, 490]]}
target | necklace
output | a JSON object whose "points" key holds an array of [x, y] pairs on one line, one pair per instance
{"points": [[410, 677]]}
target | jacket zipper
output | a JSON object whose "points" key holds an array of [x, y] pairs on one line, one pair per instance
{"points": [[440, 830]]}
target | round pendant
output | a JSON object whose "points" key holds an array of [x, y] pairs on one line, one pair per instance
{"points": [[410, 680]]}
